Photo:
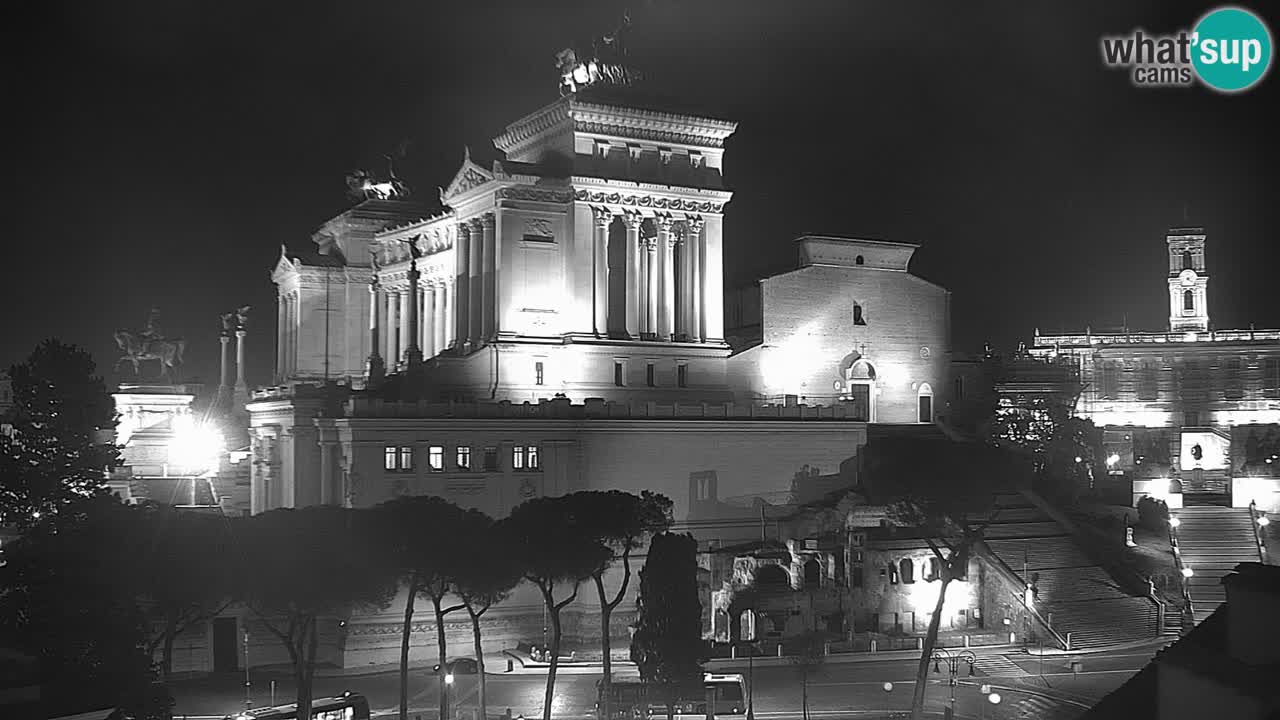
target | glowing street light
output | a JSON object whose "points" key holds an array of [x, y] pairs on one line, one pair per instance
{"points": [[195, 447], [1174, 522], [1263, 520], [1112, 459], [1187, 572]]}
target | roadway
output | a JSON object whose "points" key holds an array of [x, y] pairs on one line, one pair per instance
{"points": [[1030, 687]]}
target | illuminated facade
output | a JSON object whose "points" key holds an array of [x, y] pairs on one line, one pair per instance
{"points": [[560, 326], [1191, 403]]}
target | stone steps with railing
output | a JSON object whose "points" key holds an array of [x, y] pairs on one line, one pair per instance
{"points": [[1212, 540]]}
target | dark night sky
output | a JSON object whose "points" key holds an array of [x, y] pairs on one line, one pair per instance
{"points": [[164, 150]]}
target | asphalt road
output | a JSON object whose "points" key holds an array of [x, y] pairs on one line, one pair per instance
{"points": [[1029, 687]]}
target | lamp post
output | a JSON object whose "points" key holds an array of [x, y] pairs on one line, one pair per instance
{"points": [[953, 662], [248, 701], [888, 689]]}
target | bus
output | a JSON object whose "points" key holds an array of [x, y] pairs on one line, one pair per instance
{"points": [[632, 699], [347, 706]]}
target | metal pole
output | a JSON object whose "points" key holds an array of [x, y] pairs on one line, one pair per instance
{"points": [[751, 680], [248, 701]]}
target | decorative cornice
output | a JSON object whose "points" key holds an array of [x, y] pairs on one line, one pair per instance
{"points": [[654, 125], [519, 192], [649, 202], [532, 125]]}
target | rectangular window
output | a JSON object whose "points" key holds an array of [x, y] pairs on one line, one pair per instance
{"points": [[618, 375], [491, 458], [537, 373], [464, 458], [648, 375], [397, 458], [1271, 377], [524, 457], [435, 458], [682, 375]]}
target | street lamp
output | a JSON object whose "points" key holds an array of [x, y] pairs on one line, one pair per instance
{"points": [[953, 662], [994, 698], [888, 688], [1174, 522], [1187, 572]]}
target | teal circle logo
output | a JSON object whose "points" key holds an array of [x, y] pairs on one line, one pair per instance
{"points": [[1231, 49]]}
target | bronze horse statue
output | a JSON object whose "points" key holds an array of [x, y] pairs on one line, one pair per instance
{"points": [[167, 351]]}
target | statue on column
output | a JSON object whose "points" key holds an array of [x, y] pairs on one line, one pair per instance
{"points": [[150, 344], [228, 324], [242, 317]]}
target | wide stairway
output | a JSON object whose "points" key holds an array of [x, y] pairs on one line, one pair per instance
{"points": [[1073, 593], [1212, 541]]}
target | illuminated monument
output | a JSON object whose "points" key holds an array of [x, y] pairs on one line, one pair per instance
{"points": [[1194, 404], [558, 323]]}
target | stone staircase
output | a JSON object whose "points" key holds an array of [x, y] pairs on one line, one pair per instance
{"points": [[1073, 593], [1206, 487], [1212, 541]]}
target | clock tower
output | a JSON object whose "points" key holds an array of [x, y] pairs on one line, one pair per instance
{"points": [[1188, 280]]}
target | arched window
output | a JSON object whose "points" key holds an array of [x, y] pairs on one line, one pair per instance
{"points": [[857, 315], [1187, 263], [858, 260], [812, 573], [772, 576], [907, 570], [1188, 301], [935, 570]]}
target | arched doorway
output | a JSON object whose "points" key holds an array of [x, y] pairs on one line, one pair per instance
{"points": [[812, 573], [860, 389], [772, 577], [924, 403]]}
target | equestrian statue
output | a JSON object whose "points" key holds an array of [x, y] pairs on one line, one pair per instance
{"points": [[151, 344]]}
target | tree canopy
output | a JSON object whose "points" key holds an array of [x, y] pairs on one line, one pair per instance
{"points": [[60, 436], [667, 646]]}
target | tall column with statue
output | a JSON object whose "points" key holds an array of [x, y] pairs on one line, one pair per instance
{"points": [[241, 394], [412, 352]]}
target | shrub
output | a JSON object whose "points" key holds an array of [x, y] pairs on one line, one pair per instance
{"points": [[1153, 514]]}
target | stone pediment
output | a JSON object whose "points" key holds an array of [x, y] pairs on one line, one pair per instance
{"points": [[468, 177], [284, 266]]}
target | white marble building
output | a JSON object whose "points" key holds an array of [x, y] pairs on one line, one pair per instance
{"points": [[560, 325]]}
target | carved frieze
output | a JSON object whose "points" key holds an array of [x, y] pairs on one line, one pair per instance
{"points": [[518, 192], [649, 201], [538, 227]]}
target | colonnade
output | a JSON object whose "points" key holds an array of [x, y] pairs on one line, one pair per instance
{"points": [[664, 277], [422, 313], [287, 334]]}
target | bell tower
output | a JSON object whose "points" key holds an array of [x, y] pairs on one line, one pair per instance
{"points": [[1188, 280]]}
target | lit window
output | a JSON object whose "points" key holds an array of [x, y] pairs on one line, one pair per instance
{"points": [[618, 373], [525, 457], [397, 458], [682, 375], [649, 375], [537, 373], [435, 458], [464, 458], [491, 458]]}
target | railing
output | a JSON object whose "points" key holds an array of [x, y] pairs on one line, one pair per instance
{"points": [[1138, 338], [1254, 518], [595, 408], [1189, 612]]}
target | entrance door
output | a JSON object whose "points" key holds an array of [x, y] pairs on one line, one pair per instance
{"points": [[926, 408], [860, 398], [224, 644]]}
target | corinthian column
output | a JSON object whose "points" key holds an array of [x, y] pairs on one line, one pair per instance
{"points": [[489, 301], [448, 319], [667, 285], [393, 327], [652, 272], [412, 352], [600, 275], [281, 322], [633, 221], [475, 282], [375, 369], [438, 317], [693, 241], [462, 286]]}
